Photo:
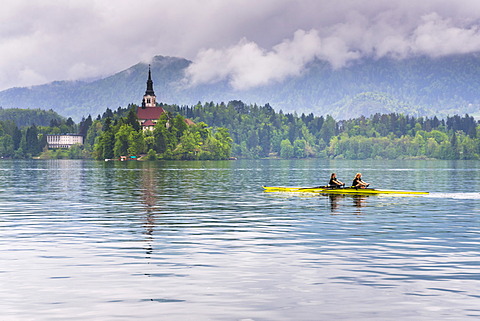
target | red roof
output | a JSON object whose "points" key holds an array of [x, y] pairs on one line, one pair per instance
{"points": [[152, 113], [148, 122], [189, 122]]}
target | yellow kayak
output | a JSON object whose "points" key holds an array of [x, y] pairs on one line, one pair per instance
{"points": [[345, 190]]}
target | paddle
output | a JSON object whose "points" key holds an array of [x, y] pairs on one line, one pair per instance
{"points": [[313, 187]]}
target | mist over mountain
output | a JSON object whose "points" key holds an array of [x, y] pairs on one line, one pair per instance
{"points": [[420, 86]]}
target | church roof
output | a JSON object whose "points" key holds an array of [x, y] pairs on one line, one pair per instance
{"points": [[148, 123], [189, 122], [152, 113]]}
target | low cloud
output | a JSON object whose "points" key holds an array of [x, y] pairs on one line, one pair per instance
{"points": [[439, 36], [246, 64], [249, 43]]}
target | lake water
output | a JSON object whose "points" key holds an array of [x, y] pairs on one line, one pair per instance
{"points": [[85, 240]]}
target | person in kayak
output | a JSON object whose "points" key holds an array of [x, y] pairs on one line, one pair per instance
{"points": [[334, 182], [358, 183]]}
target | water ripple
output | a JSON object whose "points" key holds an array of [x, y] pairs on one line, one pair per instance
{"points": [[174, 241]]}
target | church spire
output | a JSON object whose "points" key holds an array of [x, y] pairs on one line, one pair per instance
{"points": [[149, 91], [149, 99]]}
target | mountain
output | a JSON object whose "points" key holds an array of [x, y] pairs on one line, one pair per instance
{"points": [[76, 98], [420, 86]]}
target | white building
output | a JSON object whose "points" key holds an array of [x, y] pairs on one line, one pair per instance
{"points": [[64, 141]]}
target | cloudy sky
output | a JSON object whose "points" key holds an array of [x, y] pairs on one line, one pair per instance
{"points": [[248, 42]]}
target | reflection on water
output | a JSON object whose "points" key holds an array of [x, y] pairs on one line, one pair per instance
{"points": [[202, 241], [336, 200], [359, 201], [149, 199]]}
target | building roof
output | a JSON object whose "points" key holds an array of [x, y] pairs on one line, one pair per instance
{"points": [[148, 122], [189, 122], [152, 113]]}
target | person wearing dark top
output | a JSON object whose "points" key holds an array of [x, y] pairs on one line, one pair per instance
{"points": [[358, 183], [334, 182]]}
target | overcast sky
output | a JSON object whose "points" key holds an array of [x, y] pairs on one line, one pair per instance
{"points": [[248, 42]]}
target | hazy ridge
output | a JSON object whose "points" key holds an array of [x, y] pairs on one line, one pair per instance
{"points": [[418, 86]]}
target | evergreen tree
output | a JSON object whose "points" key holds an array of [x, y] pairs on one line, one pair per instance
{"points": [[107, 142], [108, 114], [107, 124], [32, 145], [84, 126], [132, 119], [6, 143], [70, 122], [160, 135], [329, 129]]}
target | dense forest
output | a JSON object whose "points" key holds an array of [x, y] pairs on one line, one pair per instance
{"points": [[114, 134], [249, 131], [30, 141], [259, 131]]}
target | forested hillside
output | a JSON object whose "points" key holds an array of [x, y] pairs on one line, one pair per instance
{"points": [[250, 131], [28, 117], [259, 131], [418, 86]]}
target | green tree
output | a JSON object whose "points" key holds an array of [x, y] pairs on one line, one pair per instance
{"points": [[6, 146], [136, 141], [107, 143], [151, 155], [180, 124], [189, 146], [329, 129], [224, 147], [299, 147], [160, 135], [122, 140], [32, 144], [286, 149], [132, 119], [94, 131]]}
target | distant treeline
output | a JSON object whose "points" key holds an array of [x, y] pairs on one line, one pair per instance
{"points": [[30, 141], [28, 117], [256, 132], [259, 131]]}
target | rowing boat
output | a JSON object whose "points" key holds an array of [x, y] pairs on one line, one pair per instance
{"points": [[345, 190]]}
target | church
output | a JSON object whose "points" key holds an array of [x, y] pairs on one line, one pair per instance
{"points": [[149, 113]]}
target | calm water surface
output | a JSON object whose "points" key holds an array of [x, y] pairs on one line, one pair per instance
{"points": [[85, 240]]}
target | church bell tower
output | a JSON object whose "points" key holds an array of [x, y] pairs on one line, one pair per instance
{"points": [[149, 99]]}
